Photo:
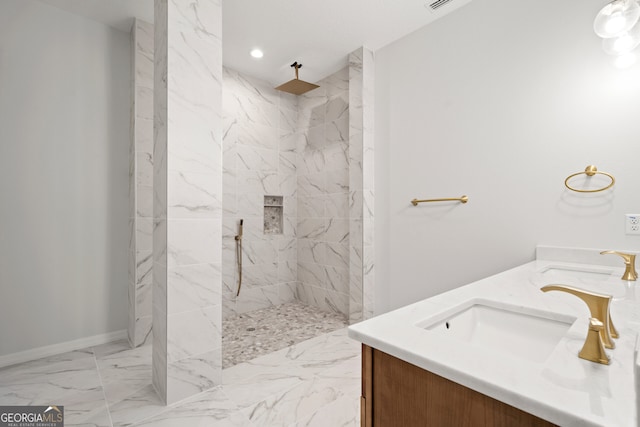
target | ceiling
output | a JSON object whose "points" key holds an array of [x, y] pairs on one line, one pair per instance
{"points": [[318, 34]]}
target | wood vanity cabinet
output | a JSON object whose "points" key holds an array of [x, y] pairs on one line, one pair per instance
{"points": [[398, 394]]}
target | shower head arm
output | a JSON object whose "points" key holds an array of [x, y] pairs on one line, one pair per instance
{"points": [[297, 67]]}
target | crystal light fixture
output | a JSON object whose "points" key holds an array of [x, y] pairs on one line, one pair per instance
{"points": [[616, 18], [618, 23]]}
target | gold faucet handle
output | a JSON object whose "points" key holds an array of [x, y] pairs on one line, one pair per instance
{"points": [[630, 273], [593, 350], [598, 307]]}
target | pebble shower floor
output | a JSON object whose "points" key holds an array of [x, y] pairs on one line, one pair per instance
{"points": [[250, 335]]}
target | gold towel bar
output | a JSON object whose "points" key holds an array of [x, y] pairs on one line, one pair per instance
{"points": [[463, 199], [590, 170]]}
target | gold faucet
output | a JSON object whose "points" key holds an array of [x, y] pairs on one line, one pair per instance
{"points": [[598, 306], [593, 350], [629, 263]]}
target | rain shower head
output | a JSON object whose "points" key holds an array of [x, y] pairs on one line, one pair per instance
{"points": [[296, 86]]}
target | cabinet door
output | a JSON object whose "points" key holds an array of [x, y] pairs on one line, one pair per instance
{"points": [[401, 394]]}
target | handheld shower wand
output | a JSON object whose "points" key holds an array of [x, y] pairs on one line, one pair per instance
{"points": [[239, 255]]}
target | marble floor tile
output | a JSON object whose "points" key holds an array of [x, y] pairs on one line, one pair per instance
{"points": [[72, 361], [114, 347], [70, 380], [86, 413], [289, 406], [342, 412], [49, 378], [211, 408], [249, 391], [303, 360], [135, 408], [313, 381], [327, 369], [125, 373]]}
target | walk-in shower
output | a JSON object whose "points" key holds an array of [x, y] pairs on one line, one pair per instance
{"points": [[286, 212], [293, 230]]}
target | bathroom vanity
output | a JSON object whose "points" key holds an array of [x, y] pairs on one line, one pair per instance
{"points": [[500, 352], [406, 395]]}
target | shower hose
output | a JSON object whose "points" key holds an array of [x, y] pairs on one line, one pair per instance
{"points": [[239, 256]]}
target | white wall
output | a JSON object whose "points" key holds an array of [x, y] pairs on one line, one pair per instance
{"points": [[64, 136], [501, 101]]}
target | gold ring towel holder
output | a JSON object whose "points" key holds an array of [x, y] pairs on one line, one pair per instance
{"points": [[590, 170], [463, 199]]}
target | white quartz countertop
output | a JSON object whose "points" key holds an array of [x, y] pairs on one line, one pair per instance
{"points": [[562, 389]]}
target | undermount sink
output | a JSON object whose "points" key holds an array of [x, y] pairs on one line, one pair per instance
{"points": [[525, 333], [602, 280], [585, 275]]}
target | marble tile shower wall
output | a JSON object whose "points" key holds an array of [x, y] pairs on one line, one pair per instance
{"points": [[323, 195], [361, 188], [187, 185], [260, 137], [141, 184]]}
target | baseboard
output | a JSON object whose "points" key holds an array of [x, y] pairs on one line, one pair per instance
{"points": [[63, 347]]}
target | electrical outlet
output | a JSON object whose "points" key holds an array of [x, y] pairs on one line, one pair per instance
{"points": [[632, 223]]}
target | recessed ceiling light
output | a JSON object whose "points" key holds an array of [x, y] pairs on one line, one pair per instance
{"points": [[257, 53]]}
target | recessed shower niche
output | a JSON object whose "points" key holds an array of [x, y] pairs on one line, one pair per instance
{"points": [[273, 214]]}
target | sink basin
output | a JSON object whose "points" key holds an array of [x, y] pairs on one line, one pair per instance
{"points": [[584, 275], [595, 279], [524, 333]]}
